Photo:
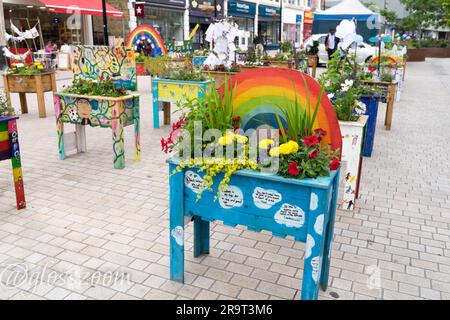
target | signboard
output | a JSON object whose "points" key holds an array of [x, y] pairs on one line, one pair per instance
{"points": [[171, 3], [269, 12], [298, 18], [179, 46], [241, 8], [206, 8]]}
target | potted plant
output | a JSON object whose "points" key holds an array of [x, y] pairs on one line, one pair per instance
{"points": [[345, 93], [98, 104], [229, 182], [33, 78], [281, 60], [9, 146], [174, 86], [312, 53]]}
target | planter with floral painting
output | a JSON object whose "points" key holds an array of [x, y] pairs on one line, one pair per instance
{"points": [[352, 142], [173, 91], [97, 111], [296, 197]]}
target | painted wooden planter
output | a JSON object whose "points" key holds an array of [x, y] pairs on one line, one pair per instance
{"points": [[352, 142], [9, 149], [372, 103], [390, 91], [172, 91], [106, 112], [219, 76], [303, 209], [23, 84], [312, 62], [281, 64]]}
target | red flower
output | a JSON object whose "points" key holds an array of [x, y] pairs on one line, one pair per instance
{"points": [[320, 132], [164, 145], [236, 128], [313, 154], [334, 165], [311, 141], [236, 119], [178, 124], [280, 132], [293, 169]]}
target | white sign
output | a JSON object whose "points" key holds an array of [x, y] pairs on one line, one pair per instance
{"points": [[265, 199], [193, 181], [291, 216], [231, 197]]}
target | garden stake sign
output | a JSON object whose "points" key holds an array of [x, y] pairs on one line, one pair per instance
{"points": [[106, 112], [103, 62], [9, 149], [301, 208]]}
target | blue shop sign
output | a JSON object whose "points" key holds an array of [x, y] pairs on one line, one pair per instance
{"points": [[298, 18], [241, 8], [269, 12]]}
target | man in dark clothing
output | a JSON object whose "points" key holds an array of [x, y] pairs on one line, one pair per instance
{"points": [[331, 43]]}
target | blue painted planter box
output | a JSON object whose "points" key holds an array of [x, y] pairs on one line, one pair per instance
{"points": [[304, 209], [165, 90], [371, 102]]}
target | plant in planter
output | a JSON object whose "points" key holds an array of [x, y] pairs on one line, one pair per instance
{"points": [[222, 179], [313, 50], [96, 103], [221, 73], [6, 110]]}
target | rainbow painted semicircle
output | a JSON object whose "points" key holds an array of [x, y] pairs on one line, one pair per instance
{"points": [[149, 33], [260, 91]]}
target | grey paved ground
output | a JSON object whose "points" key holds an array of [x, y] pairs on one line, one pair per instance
{"points": [[83, 216]]}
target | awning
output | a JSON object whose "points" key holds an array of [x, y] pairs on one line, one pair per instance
{"points": [[91, 7]]}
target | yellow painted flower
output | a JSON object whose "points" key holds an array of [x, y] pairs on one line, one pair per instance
{"points": [[274, 152], [240, 138], [226, 140], [264, 144]]}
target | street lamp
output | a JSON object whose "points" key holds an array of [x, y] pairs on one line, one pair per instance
{"points": [[105, 24]]}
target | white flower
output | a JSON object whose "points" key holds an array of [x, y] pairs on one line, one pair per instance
{"points": [[360, 108], [348, 83], [330, 95]]}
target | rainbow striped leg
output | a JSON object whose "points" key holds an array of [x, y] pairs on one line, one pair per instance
{"points": [[16, 164], [137, 130]]}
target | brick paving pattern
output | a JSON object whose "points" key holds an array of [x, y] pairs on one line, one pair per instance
{"points": [[84, 217]]}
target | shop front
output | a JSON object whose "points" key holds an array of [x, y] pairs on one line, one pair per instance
{"points": [[269, 21], [203, 13], [244, 15], [308, 24], [166, 16], [292, 25]]}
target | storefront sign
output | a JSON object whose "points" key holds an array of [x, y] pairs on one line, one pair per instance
{"points": [[179, 46], [209, 8], [269, 12], [170, 3], [241, 8], [299, 18]]}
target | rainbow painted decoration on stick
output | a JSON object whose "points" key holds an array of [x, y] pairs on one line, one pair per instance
{"points": [[147, 32], [9, 149], [260, 91]]}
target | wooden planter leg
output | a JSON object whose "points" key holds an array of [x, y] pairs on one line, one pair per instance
{"points": [[315, 246], [166, 110], [201, 236], [16, 164], [118, 144], [329, 237], [40, 96], [80, 132], [155, 105], [390, 105], [176, 225], [137, 130], [59, 127], [23, 102]]}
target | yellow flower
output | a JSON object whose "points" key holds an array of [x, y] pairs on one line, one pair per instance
{"points": [[226, 139], [274, 152], [264, 144], [240, 138], [289, 147], [40, 67]]}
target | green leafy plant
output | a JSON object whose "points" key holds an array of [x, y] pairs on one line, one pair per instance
{"points": [[105, 87], [314, 49], [6, 110], [286, 46], [186, 73], [26, 70]]}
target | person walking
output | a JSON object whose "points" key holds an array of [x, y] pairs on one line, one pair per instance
{"points": [[331, 43]]}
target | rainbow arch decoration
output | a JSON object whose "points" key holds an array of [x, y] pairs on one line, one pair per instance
{"points": [[144, 31], [375, 61], [260, 91]]}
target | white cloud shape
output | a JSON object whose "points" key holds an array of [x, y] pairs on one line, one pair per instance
{"points": [[290, 215], [265, 199]]}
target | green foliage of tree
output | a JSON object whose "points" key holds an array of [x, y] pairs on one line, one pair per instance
{"points": [[425, 14]]}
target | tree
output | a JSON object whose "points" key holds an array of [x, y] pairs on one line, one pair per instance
{"points": [[389, 15], [425, 14]]}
